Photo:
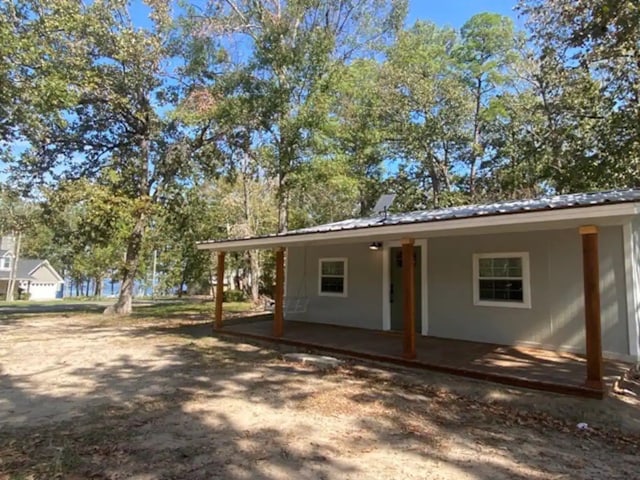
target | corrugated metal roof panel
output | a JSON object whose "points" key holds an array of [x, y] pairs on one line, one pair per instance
{"points": [[574, 200], [467, 211]]}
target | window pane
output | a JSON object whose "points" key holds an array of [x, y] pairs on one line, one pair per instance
{"points": [[500, 267], [501, 290], [515, 267], [332, 285], [485, 267], [333, 268]]}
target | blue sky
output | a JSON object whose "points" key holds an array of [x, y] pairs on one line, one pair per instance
{"points": [[442, 12], [456, 12]]}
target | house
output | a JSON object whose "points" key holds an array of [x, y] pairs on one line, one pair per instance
{"points": [[34, 277], [559, 273]]}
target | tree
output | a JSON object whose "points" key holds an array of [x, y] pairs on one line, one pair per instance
{"points": [[427, 111], [110, 118], [486, 50], [294, 50], [88, 226], [18, 217], [355, 136], [597, 40]]}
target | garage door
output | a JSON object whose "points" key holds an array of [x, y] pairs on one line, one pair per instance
{"points": [[43, 291]]}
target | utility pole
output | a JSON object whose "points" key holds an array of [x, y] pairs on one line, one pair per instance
{"points": [[14, 268]]}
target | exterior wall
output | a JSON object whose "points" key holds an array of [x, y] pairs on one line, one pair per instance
{"points": [[44, 275], [556, 316], [632, 250], [555, 319], [362, 307]]}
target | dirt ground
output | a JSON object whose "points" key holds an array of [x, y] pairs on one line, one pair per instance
{"points": [[81, 397]]}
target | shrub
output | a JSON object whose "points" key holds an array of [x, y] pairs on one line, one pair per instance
{"points": [[235, 296]]}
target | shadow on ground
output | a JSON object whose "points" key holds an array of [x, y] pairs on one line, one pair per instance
{"points": [[206, 407]]}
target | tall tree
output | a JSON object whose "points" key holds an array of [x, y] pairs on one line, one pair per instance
{"points": [[487, 48], [600, 40], [292, 49], [111, 116], [355, 135], [427, 110]]}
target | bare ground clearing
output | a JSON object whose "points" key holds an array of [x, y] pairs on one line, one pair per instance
{"points": [[84, 397]]}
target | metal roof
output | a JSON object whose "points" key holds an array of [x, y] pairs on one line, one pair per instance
{"points": [[555, 202]]}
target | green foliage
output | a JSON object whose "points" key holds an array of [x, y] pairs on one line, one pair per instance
{"points": [[235, 296], [428, 108], [297, 52], [242, 118], [594, 47]]}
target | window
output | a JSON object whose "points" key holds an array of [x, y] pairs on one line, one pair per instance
{"points": [[5, 263], [501, 280], [333, 277]]}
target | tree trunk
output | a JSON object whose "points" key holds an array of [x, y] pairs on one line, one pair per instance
{"points": [[98, 290], [254, 263], [435, 184], [283, 198], [125, 299], [476, 140], [211, 276]]}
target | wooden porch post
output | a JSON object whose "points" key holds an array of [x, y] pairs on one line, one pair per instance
{"points": [[219, 290], [593, 334], [408, 299], [278, 317]]}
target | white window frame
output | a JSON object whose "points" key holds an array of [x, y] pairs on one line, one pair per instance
{"points": [[3, 259], [345, 276], [526, 281]]}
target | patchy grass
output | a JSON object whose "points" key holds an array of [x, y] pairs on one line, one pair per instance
{"points": [[187, 309]]}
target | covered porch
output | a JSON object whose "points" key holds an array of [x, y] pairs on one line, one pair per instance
{"points": [[526, 367], [562, 242]]}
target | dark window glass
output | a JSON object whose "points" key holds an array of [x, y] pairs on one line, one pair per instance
{"points": [[501, 290], [332, 285]]}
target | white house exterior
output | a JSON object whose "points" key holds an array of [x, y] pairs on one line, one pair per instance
{"points": [[558, 273], [34, 277]]}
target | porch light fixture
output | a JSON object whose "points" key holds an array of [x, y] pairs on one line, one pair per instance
{"points": [[375, 246]]}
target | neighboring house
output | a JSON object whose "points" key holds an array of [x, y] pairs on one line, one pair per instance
{"points": [[559, 273], [34, 277]]}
